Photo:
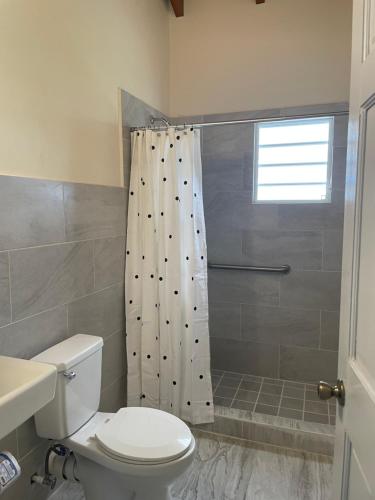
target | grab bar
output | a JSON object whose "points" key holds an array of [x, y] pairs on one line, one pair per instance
{"points": [[269, 269]]}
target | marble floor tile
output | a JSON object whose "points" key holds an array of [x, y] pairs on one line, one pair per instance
{"points": [[68, 491], [230, 469]]}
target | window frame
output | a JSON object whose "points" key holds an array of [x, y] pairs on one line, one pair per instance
{"points": [[282, 122]]}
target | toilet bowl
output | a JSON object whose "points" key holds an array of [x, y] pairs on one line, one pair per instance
{"points": [[143, 471], [133, 454]]}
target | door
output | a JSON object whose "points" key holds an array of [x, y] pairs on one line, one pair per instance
{"points": [[354, 468]]}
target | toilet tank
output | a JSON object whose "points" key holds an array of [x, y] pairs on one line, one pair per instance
{"points": [[79, 365]]}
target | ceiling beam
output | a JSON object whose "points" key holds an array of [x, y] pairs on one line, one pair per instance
{"points": [[178, 7]]}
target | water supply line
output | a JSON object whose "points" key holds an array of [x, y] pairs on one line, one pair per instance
{"points": [[60, 464]]}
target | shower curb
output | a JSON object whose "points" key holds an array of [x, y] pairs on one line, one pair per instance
{"points": [[277, 431]]}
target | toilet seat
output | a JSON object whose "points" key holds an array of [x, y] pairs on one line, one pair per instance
{"points": [[144, 436]]}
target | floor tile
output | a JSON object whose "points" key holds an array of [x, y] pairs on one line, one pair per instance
{"points": [[294, 392], [292, 403], [269, 399], [289, 413], [230, 381], [222, 401], [311, 396], [271, 388], [266, 409], [230, 469], [316, 407], [244, 391], [250, 396], [311, 387], [249, 385], [315, 417], [225, 392], [242, 405]]}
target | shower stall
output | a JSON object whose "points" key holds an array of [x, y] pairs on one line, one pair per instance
{"points": [[274, 272]]}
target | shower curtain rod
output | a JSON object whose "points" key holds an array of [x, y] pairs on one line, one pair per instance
{"points": [[236, 122]]}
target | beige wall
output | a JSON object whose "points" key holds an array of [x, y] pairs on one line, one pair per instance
{"points": [[234, 55], [61, 64]]}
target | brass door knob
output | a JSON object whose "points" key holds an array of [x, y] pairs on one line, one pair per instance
{"points": [[327, 391]]}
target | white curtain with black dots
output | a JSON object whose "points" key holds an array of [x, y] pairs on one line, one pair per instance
{"points": [[166, 277]]}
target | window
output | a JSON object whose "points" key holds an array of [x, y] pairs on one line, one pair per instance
{"points": [[293, 161]]}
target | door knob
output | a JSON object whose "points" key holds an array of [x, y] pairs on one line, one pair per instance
{"points": [[327, 391]]}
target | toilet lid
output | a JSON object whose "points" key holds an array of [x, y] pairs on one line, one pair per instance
{"points": [[144, 435]]}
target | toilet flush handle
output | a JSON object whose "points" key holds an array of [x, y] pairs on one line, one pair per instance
{"points": [[70, 375]]}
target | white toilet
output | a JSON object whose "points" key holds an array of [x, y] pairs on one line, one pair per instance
{"points": [[134, 454]]}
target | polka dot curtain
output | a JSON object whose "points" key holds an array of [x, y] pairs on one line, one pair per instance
{"points": [[166, 277]]}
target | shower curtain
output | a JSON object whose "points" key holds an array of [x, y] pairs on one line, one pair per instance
{"points": [[166, 277]]}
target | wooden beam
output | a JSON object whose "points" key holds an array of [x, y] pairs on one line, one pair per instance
{"points": [[260, 1], [178, 7]]}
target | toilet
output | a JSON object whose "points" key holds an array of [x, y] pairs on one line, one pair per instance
{"points": [[134, 454]]}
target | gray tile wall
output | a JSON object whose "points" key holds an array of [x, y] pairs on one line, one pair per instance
{"points": [[61, 273], [62, 249], [269, 325]]}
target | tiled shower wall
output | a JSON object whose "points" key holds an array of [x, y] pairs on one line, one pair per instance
{"points": [[61, 273], [283, 326], [267, 325]]}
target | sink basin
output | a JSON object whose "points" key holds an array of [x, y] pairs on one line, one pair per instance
{"points": [[25, 387]]}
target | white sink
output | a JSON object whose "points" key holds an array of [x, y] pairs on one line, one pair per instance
{"points": [[25, 387]]}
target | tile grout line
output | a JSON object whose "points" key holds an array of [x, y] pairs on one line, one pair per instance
{"points": [[64, 211], [217, 385], [329, 414], [10, 288], [64, 242], [281, 397], [76, 299], [241, 322], [320, 330], [235, 394], [93, 264], [283, 384], [260, 388], [67, 319]]}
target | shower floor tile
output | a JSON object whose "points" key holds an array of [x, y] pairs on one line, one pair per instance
{"points": [[283, 398]]}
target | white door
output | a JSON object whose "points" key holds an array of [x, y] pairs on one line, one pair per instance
{"points": [[354, 468]]}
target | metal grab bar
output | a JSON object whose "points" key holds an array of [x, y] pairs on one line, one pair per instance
{"points": [[269, 269]]}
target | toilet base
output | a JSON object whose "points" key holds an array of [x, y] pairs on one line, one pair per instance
{"points": [[100, 483]]}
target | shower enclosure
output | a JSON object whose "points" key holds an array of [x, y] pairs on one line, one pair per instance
{"points": [[273, 335]]}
